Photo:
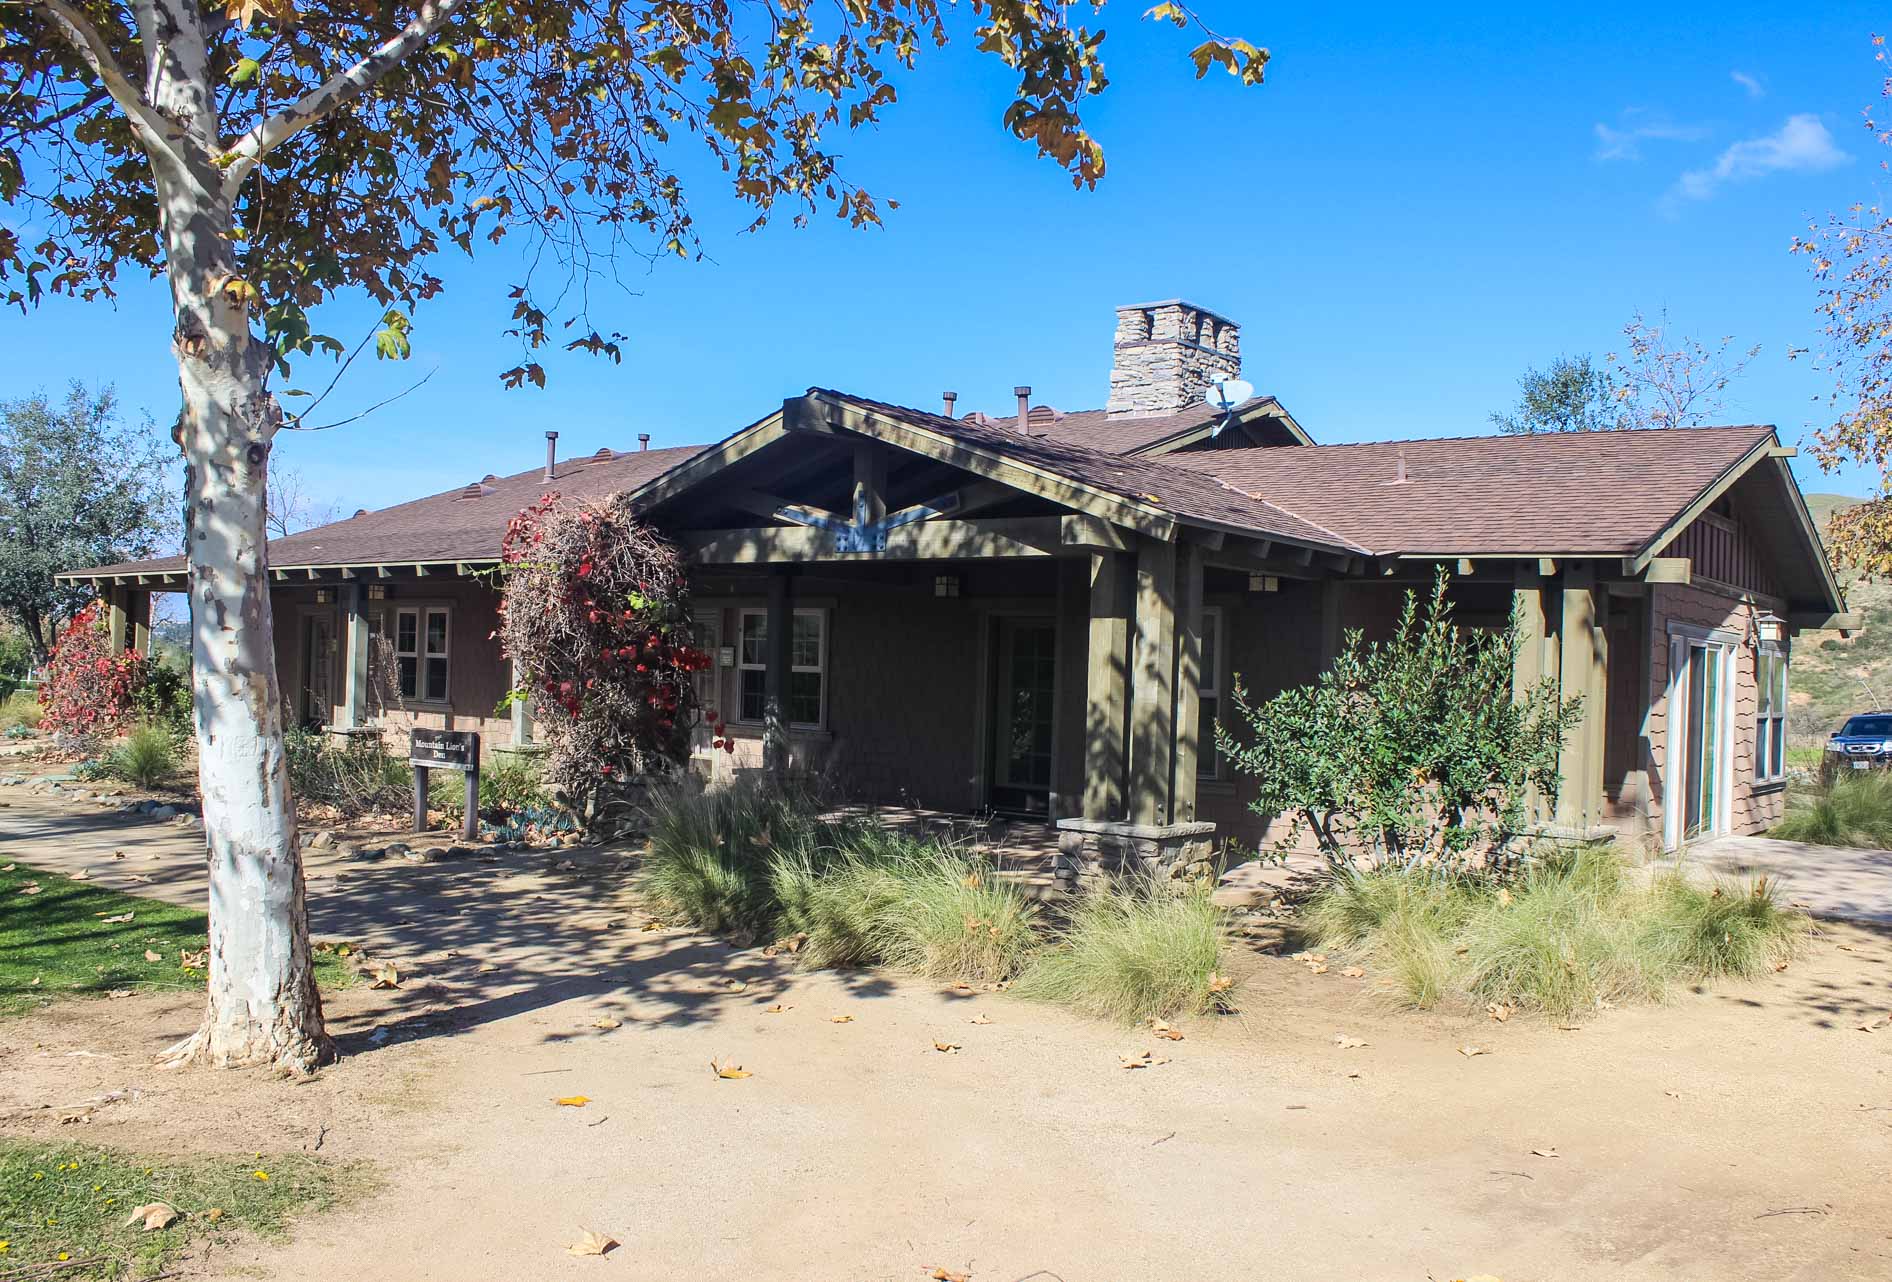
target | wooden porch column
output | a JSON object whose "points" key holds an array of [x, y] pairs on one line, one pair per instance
{"points": [[116, 618], [1192, 737], [781, 626], [1153, 685], [870, 484], [354, 657], [1071, 700], [1106, 700], [138, 608], [1584, 654], [1527, 670], [1330, 630]]}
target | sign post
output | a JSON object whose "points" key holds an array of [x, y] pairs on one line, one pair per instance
{"points": [[446, 750]]}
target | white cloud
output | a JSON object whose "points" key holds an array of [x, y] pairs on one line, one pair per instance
{"points": [[1800, 146], [1625, 142], [1750, 83]]}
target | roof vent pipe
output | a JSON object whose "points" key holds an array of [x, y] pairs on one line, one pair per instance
{"points": [[951, 399], [551, 455], [643, 441], [1024, 408], [1399, 477]]}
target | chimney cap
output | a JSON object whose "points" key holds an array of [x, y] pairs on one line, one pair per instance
{"points": [[1021, 391]]}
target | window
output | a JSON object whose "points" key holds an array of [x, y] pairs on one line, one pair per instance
{"points": [[707, 636], [1770, 735], [807, 667], [1209, 688], [420, 653]]}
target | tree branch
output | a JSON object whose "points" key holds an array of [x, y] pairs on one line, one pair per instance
{"points": [[337, 91], [91, 46]]}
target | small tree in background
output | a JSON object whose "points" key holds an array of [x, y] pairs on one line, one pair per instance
{"points": [[1651, 383], [1414, 749], [596, 613], [86, 689]]}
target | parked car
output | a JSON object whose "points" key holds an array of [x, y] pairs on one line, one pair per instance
{"points": [[1863, 743]]}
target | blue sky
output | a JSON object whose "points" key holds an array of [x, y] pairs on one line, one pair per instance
{"points": [[1417, 205]]}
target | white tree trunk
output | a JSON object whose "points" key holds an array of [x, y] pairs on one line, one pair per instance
{"points": [[263, 1007]]}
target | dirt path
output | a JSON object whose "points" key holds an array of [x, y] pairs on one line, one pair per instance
{"points": [[1740, 1133]]}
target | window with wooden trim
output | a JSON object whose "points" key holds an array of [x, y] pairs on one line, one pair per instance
{"points": [[807, 667], [1770, 730], [1209, 691], [421, 644]]}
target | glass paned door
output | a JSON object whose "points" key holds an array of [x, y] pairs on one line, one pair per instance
{"points": [[318, 660], [1024, 697], [1703, 763]]}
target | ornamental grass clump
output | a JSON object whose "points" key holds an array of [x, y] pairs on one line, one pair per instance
{"points": [[1854, 810], [146, 757], [1574, 932], [949, 916], [1135, 950], [708, 862]]}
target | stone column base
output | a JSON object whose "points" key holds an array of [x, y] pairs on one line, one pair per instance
{"points": [[1090, 850]]}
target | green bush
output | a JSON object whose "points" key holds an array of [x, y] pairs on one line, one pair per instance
{"points": [[165, 697], [1577, 930], [1135, 951], [357, 775], [146, 757], [1854, 810]]}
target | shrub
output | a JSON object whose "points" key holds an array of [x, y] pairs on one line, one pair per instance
{"points": [[164, 699], [1575, 931], [1412, 749], [1132, 952], [86, 689], [944, 915], [357, 776], [709, 855], [512, 783], [147, 757], [1854, 810]]}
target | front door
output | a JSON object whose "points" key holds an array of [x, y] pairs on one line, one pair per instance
{"points": [[318, 667], [1024, 695], [1699, 756]]}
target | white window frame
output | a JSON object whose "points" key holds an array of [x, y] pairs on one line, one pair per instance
{"points": [[1209, 686], [819, 668], [1770, 721], [420, 654]]}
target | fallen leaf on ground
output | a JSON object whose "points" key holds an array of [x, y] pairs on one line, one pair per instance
{"points": [[1545, 1152], [386, 977], [156, 1215], [1143, 1060], [1469, 1051], [119, 992], [1498, 1011], [115, 919], [1347, 1043], [486, 968], [1780, 965], [30, 888], [946, 1275], [1846, 948], [652, 925], [193, 961], [1220, 983], [737, 986], [1317, 968], [729, 1071], [592, 1244], [946, 1048], [1355, 972], [840, 1019], [962, 989], [1165, 1032], [607, 1023], [573, 1101], [86, 875], [153, 957], [777, 1009], [214, 1214], [980, 1019], [9, 868], [139, 878]]}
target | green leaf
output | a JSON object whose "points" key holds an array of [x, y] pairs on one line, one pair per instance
{"points": [[244, 71]]}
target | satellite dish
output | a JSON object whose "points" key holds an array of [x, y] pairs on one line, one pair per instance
{"points": [[1226, 393]]}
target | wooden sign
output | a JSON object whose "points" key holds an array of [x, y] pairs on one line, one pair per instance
{"points": [[444, 749]]}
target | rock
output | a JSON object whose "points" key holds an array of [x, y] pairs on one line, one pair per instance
{"points": [[369, 853], [324, 840], [396, 848], [163, 812], [434, 854], [460, 852]]}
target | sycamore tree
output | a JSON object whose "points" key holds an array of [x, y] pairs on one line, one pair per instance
{"points": [[266, 156], [1653, 381]]}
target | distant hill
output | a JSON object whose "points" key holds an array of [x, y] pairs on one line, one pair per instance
{"points": [[1834, 676]]}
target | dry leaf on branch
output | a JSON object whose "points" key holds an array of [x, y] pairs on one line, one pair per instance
{"points": [[1143, 1060], [592, 1244], [572, 1101], [156, 1215], [1346, 1043], [729, 1072]]}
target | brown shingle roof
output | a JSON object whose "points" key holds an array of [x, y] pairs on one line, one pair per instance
{"points": [[1184, 492], [1556, 493], [446, 526], [1096, 430]]}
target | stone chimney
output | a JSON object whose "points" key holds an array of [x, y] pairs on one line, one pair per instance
{"points": [[1166, 356]]}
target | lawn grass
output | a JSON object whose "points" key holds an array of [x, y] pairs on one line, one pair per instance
{"points": [[60, 941], [62, 1205], [1578, 931]]}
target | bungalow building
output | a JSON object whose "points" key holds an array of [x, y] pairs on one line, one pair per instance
{"points": [[1044, 612]]}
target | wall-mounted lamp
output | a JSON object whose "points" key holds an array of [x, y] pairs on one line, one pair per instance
{"points": [[1769, 628], [946, 585]]}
